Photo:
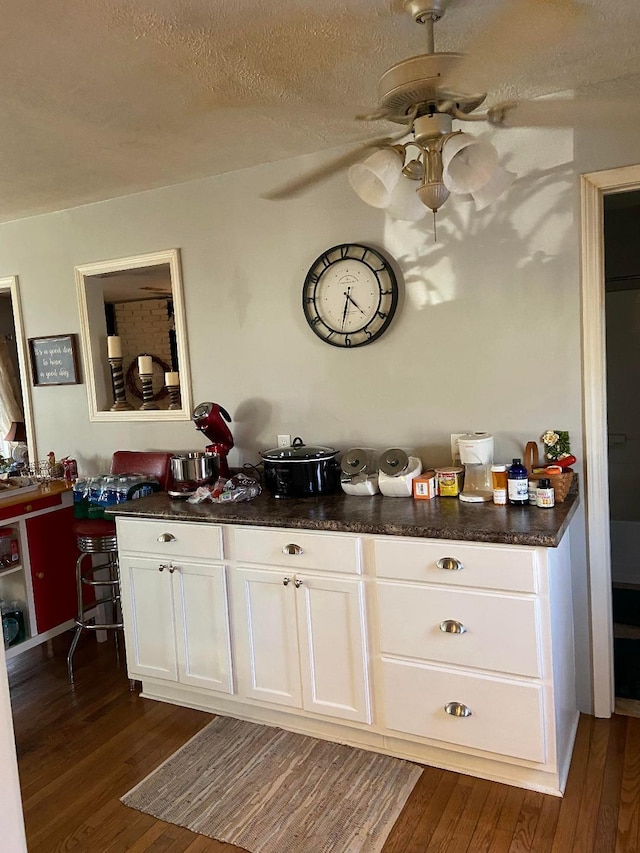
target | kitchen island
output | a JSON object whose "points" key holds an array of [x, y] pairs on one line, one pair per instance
{"points": [[436, 631]]}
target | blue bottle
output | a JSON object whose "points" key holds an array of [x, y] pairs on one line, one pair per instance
{"points": [[518, 484]]}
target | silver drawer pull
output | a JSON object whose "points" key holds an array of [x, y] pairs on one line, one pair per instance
{"points": [[292, 549], [286, 581], [161, 567], [172, 569], [297, 583], [457, 709], [452, 626], [450, 564], [166, 537]]}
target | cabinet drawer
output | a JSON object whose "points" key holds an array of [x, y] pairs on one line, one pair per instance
{"points": [[500, 631], [487, 566], [293, 550], [506, 717], [199, 541]]}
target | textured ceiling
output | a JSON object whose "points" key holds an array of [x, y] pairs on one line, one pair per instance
{"points": [[106, 97]]}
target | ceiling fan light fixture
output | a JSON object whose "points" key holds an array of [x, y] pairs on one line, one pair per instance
{"points": [[433, 194], [468, 163], [375, 179], [500, 181]]}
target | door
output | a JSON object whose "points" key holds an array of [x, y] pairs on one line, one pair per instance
{"points": [[52, 554], [147, 611], [202, 626], [266, 636], [331, 630]]}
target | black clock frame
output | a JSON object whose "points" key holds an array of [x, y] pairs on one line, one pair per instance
{"points": [[387, 287]]}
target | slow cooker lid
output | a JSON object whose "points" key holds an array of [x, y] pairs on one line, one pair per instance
{"points": [[298, 452]]}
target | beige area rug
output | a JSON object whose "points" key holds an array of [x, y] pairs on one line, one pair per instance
{"points": [[271, 791]]}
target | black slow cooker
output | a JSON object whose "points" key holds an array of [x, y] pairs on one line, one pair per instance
{"points": [[299, 471]]}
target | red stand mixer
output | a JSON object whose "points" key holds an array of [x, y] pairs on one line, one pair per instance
{"points": [[208, 418]]}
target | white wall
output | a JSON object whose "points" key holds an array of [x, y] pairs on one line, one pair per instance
{"points": [[487, 335]]}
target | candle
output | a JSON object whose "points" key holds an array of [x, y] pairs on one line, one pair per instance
{"points": [[145, 364], [114, 346], [172, 378]]}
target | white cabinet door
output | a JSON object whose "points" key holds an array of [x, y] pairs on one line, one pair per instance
{"points": [[176, 623], [147, 609], [202, 626], [331, 631], [266, 639]]}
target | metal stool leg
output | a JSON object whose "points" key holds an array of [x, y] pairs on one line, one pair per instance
{"points": [[74, 643], [113, 617]]}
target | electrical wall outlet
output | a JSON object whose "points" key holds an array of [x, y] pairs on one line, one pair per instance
{"points": [[455, 451], [284, 441]]}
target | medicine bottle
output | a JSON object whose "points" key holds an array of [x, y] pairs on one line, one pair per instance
{"points": [[499, 484], [518, 484], [546, 495]]}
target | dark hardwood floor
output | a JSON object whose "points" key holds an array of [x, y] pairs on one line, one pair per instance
{"points": [[80, 750]]}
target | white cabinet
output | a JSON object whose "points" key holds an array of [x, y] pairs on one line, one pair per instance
{"points": [[300, 636], [456, 654], [476, 652], [175, 610]]}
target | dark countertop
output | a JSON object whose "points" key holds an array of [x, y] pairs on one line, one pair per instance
{"points": [[439, 518]]}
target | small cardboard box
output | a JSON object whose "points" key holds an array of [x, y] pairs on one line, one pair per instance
{"points": [[424, 486]]}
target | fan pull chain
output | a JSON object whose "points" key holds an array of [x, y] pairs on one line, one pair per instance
{"points": [[435, 230]]}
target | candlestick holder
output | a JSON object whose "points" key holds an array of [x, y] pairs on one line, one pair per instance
{"points": [[120, 404], [174, 396], [147, 391]]}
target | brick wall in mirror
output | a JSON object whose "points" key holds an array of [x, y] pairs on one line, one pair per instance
{"points": [[134, 338]]}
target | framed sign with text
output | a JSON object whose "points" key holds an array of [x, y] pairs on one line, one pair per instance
{"points": [[54, 360]]}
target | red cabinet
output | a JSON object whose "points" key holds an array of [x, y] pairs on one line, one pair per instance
{"points": [[52, 553]]}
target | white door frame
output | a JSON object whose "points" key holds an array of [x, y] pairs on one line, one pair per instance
{"points": [[594, 186]]}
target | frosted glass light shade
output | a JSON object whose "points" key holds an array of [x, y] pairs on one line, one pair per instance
{"points": [[375, 179], [467, 163], [405, 203], [499, 182]]}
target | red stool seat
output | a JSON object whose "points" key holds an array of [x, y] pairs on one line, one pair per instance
{"points": [[98, 527]]}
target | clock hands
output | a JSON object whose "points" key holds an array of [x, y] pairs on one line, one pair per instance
{"points": [[353, 301], [346, 307]]}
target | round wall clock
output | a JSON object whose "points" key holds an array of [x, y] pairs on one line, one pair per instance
{"points": [[350, 295]]}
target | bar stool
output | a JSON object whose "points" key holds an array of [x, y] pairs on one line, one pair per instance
{"points": [[98, 537]]}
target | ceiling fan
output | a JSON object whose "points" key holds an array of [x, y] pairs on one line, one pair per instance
{"points": [[427, 93]]}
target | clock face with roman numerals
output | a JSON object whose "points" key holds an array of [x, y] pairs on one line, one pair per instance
{"points": [[350, 295]]}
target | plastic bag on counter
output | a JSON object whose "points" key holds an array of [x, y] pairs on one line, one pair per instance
{"points": [[232, 490]]}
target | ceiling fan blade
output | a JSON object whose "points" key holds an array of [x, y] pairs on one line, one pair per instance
{"points": [[511, 42], [564, 112], [315, 176]]}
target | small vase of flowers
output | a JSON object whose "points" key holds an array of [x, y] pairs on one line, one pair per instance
{"points": [[557, 446]]}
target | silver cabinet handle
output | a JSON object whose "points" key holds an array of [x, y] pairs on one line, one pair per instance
{"points": [[292, 549], [452, 626], [166, 537], [457, 709], [450, 564], [161, 567], [286, 581], [172, 569], [297, 583]]}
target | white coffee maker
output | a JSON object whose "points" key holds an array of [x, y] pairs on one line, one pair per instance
{"points": [[476, 454]]}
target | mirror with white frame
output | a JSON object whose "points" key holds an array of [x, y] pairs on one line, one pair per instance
{"points": [[131, 308]]}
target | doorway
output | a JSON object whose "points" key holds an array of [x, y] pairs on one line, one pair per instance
{"points": [[19, 444], [594, 188], [622, 325]]}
